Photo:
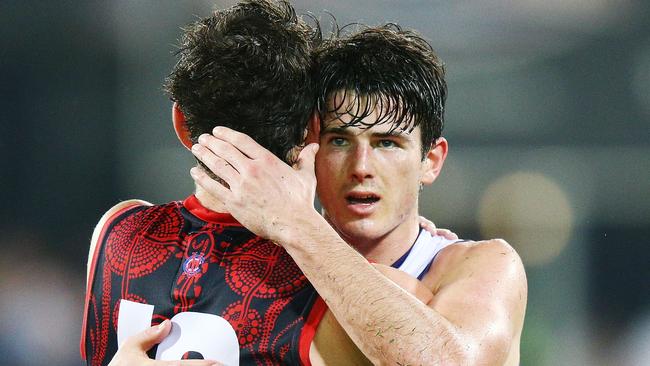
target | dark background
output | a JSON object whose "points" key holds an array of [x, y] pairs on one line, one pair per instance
{"points": [[548, 120]]}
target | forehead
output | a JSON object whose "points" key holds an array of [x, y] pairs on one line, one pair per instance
{"points": [[355, 113]]}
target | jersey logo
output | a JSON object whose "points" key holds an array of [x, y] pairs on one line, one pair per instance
{"points": [[192, 265]]}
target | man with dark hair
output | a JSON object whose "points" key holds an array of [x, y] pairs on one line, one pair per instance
{"points": [[381, 105], [247, 67]]}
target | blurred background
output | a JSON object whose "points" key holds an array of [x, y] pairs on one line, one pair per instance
{"points": [[548, 120]]}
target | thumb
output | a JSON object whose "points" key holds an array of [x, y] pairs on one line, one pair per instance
{"points": [[146, 339], [307, 157]]}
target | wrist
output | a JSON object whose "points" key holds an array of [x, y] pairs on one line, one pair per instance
{"points": [[300, 232]]}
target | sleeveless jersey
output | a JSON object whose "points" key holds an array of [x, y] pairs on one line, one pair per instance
{"points": [[419, 258], [181, 257]]}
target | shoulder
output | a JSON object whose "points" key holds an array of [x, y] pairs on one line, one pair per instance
{"points": [[481, 286], [493, 263], [118, 208], [106, 219]]}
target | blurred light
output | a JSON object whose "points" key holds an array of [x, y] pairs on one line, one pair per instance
{"points": [[41, 303], [633, 348], [531, 212]]}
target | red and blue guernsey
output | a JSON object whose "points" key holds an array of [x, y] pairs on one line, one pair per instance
{"points": [[180, 258]]}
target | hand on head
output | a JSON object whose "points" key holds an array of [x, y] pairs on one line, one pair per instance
{"points": [[258, 181]]}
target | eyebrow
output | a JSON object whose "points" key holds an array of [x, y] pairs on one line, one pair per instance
{"points": [[346, 132], [335, 130]]}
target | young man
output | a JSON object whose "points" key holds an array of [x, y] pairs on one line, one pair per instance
{"points": [[190, 261], [381, 112]]}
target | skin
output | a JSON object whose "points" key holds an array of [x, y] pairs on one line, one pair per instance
{"points": [[133, 352], [331, 344], [468, 309], [355, 162], [477, 290]]}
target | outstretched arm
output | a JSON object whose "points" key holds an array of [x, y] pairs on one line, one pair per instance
{"points": [[479, 291]]}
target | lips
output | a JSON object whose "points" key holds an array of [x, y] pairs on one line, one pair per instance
{"points": [[362, 203], [361, 198]]}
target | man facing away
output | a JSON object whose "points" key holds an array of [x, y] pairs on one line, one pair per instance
{"points": [[247, 67], [381, 107]]}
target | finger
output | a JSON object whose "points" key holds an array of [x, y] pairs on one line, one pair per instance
{"points": [[447, 234], [427, 224], [149, 337], [212, 186], [225, 150], [241, 141], [217, 165], [306, 158]]}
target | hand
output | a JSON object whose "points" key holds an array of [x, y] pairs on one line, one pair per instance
{"points": [[431, 227], [263, 193], [134, 349]]}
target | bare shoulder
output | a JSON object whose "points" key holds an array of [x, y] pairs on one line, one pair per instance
{"points": [[104, 219], [481, 287], [471, 258]]}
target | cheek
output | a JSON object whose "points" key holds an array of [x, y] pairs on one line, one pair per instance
{"points": [[328, 165], [408, 181], [326, 176]]}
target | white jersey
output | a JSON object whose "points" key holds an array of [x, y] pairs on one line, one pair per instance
{"points": [[423, 252]]}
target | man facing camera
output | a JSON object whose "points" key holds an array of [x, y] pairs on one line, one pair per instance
{"points": [[381, 104]]}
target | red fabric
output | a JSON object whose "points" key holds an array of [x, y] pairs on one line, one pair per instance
{"points": [[216, 267], [193, 205], [309, 329], [91, 275]]}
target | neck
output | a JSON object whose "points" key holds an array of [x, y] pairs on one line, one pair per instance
{"points": [[209, 201], [389, 247]]}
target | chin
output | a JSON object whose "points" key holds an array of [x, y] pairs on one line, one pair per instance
{"points": [[362, 229]]}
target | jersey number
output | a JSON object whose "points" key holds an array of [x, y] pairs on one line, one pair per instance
{"points": [[208, 334]]}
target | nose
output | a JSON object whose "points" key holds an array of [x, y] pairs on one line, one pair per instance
{"points": [[361, 163]]}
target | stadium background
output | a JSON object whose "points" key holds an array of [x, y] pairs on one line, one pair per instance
{"points": [[548, 119]]}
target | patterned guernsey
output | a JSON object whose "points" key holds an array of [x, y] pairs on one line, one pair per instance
{"points": [[183, 258]]}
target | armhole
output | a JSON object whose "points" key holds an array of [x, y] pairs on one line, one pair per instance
{"points": [[95, 247], [309, 329]]}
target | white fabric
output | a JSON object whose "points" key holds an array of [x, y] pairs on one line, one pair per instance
{"points": [[423, 251]]}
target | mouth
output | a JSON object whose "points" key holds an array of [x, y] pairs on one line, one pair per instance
{"points": [[362, 198]]}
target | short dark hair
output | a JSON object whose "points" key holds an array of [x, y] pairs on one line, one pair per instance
{"points": [[248, 68], [385, 68]]}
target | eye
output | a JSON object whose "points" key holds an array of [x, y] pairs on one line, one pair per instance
{"points": [[388, 144], [338, 141]]}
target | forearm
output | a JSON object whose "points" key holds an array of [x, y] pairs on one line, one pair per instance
{"points": [[389, 325]]}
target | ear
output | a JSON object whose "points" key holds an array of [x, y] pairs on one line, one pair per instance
{"points": [[313, 129], [433, 161], [183, 134]]}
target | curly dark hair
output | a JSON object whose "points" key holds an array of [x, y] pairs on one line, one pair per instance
{"points": [[387, 69], [248, 68]]}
